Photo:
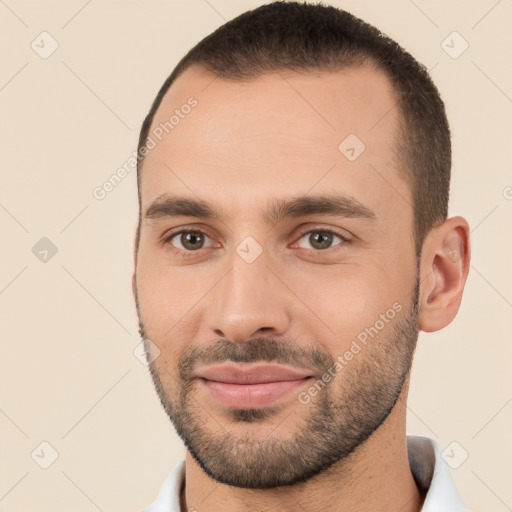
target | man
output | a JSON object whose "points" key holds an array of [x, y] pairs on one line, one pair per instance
{"points": [[293, 239]]}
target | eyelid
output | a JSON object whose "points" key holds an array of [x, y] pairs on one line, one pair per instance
{"points": [[342, 233], [168, 234]]}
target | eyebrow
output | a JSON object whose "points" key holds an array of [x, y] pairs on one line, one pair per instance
{"points": [[335, 205]]}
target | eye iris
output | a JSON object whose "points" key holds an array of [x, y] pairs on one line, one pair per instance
{"points": [[320, 240], [192, 240]]}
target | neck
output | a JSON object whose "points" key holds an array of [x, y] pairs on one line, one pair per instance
{"points": [[376, 476]]}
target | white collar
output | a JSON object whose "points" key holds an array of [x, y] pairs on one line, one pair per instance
{"points": [[431, 473], [429, 469]]}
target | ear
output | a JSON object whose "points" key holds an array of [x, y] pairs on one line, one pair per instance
{"points": [[444, 268], [134, 275]]}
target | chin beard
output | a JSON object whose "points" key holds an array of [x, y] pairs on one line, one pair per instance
{"points": [[342, 416]]}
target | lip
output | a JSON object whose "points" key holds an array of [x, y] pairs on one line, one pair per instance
{"points": [[251, 386]]}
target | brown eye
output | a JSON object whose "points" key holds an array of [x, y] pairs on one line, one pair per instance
{"points": [[189, 240], [320, 240]]}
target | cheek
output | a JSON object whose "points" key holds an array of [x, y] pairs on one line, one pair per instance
{"points": [[162, 310], [350, 298], [166, 294]]}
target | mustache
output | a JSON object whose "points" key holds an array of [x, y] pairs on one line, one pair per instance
{"points": [[268, 350]]}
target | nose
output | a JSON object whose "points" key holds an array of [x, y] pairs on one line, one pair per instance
{"points": [[249, 301]]}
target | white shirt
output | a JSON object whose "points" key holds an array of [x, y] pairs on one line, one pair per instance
{"points": [[429, 469]]}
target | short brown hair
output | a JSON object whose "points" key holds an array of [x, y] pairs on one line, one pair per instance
{"points": [[304, 37]]}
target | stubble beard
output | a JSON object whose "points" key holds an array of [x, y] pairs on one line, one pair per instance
{"points": [[340, 418]]}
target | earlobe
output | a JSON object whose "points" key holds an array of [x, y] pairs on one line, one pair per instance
{"points": [[443, 271]]}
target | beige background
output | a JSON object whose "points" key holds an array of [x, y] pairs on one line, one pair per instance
{"points": [[68, 373]]}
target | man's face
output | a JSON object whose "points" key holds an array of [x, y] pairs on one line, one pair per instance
{"points": [[326, 289]]}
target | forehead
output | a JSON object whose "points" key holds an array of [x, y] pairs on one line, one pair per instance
{"points": [[283, 131]]}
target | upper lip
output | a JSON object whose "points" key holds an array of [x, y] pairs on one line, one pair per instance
{"points": [[251, 374]]}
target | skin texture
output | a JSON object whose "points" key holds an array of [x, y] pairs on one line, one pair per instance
{"points": [[244, 145]]}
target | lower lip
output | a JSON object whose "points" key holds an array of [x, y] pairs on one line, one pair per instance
{"points": [[252, 395]]}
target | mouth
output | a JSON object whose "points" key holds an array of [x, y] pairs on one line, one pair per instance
{"points": [[251, 386]]}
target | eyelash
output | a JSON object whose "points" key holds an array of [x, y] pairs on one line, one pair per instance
{"points": [[167, 239]]}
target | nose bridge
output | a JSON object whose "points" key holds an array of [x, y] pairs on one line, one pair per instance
{"points": [[248, 300]]}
